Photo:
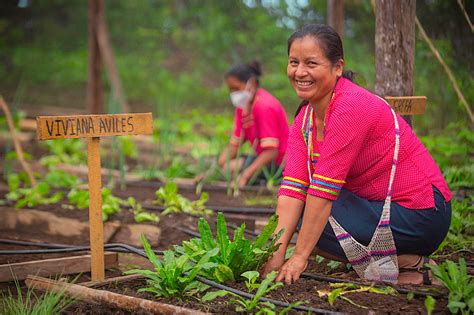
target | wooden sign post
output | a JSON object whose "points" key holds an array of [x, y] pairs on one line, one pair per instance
{"points": [[407, 105], [93, 127]]}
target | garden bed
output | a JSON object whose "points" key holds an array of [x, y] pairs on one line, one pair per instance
{"points": [[303, 290]]}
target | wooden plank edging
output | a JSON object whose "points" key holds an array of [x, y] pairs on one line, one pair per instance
{"points": [[53, 266], [85, 294]]}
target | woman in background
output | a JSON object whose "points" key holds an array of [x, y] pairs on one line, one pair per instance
{"points": [[259, 119]]}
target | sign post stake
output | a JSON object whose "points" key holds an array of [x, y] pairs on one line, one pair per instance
{"points": [[96, 229], [93, 127]]}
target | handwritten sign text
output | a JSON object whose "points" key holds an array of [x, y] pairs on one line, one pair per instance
{"points": [[82, 126], [407, 105]]}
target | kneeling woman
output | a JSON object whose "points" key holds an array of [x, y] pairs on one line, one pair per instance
{"points": [[367, 190], [259, 119]]}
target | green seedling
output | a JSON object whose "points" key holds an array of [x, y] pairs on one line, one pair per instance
{"points": [[30, 196], [332, 264], [462, 224], [430, 304], [234, 257], [177, 169], [168, 197], [110, 203], [248, 305], [175, 276], [341, 289], [31, 304], [61, 179], [250, 280], [141, 215], [67, 151], [254, 304], [459, 283]]}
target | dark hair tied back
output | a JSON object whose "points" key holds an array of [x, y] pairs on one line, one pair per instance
{"points": [[256, 67], [244, 72]]}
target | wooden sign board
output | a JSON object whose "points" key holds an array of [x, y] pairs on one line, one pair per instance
{"points": [[93, 127], [86, 126], [407, 105]]}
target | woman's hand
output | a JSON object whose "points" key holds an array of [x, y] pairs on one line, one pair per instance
{"points": [[292, 269], [274, 263], [243, 180]]}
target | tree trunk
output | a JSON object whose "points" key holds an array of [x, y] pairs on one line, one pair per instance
{"points": [[394, 47], [335, 16], [94, 81]]}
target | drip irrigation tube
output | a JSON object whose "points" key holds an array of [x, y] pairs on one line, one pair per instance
{"points": [[188, 231], [246, 210], [149, 184], [59, 248], [251, 296]]}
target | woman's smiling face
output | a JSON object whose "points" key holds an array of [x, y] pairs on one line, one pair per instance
{"points": [[311, 73]]}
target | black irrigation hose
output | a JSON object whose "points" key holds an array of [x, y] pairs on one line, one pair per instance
{"points": [[251, 296], [59, 248], [339, 280], [246, 210], [148, 184], [188, 231]]}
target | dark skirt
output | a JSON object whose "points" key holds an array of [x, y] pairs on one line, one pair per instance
{"points": [[414, 231]]}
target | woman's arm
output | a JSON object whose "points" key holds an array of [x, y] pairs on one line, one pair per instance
{"points": [[265, 157], [289, 211], [229, 153], [316, 215]]}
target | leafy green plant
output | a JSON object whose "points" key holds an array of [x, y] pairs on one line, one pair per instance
{"points": [[33, 304], [341, 289], [453, 148], [30, 196], [249, 305], [61, 179], [460, 233], [260, 200], [168, 197], [17, 116], [459, 176], [141, 215], [110, 203], [67, 151], [233, 257], [250, 279], [128, 147], [459, 283], [332, 264], [177, 169], [430, 304], [175, 276]]}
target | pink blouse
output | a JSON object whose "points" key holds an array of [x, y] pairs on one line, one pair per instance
{"points": [[266, 126], [356, 153]]}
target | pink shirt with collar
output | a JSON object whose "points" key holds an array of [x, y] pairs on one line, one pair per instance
{"points": [[266, 126], [356, 153]]}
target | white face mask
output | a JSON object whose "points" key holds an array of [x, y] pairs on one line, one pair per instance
{"points": [[241, 99]]}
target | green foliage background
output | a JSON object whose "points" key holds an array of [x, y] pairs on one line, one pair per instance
{"points": [[172, 54]]}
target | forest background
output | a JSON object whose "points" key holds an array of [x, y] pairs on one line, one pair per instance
{"points": [[172, 55]]}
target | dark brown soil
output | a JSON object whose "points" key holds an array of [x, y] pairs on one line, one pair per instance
{"points": [[302, 290]]}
